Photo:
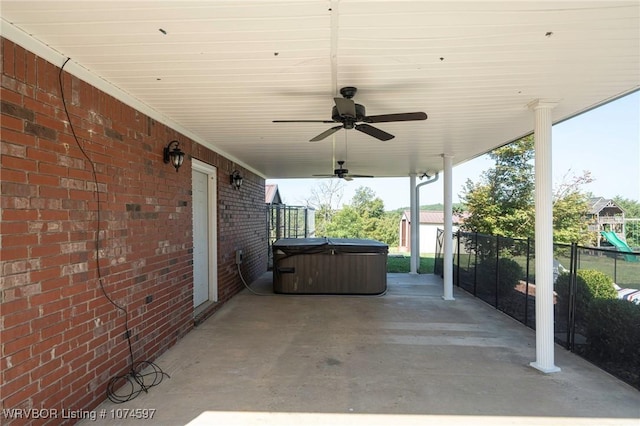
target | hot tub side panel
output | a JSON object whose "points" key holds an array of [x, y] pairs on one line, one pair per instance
{"points": [[330, 273]]}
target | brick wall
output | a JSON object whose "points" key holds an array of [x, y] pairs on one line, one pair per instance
{"points": [[62, 340], [242, 224]]}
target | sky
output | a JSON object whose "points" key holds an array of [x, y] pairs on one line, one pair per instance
{"points": [[604, 141]]}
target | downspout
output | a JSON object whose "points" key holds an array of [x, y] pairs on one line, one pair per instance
{"points": [[415, 228], [447, 242]]}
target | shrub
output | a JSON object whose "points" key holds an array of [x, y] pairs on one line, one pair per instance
{"points": [[613, 337], [598, 284], [510, 274], [590, 285]]}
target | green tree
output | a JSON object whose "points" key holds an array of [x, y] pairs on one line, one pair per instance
{"points": [[502, 202], [325, 198], [387, 230], [632, 227], [569, 223], [631, 207], [364, 217], [346, 223], [367, 204], [570, 206]]}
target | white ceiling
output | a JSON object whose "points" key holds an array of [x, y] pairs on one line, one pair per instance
{"points": [[225, 69]]}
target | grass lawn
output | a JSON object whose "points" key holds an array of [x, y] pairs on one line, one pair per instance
{"points": [[622, 271], [625, 273], [400, 263]]}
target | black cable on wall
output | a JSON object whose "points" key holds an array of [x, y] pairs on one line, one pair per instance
{"points": [[127, 386]]}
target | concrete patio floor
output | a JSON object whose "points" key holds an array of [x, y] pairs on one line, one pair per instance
{"points": [[405, 358]]}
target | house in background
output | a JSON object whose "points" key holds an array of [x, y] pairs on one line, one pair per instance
{"points": [[272, 195], [605, 216], [430, 221]]}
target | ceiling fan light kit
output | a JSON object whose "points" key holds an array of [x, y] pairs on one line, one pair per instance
{"points": [[343, 173]]}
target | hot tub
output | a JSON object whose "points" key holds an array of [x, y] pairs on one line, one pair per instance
{"points": [[329, 266]]}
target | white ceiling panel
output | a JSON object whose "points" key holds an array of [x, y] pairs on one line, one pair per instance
{"points": [[223, 70]]}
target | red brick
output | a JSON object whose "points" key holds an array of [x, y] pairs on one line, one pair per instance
{"points": [[18, 137], [14, 176], [54, 366], [14, 306], [21, 343], [22, 214], [38, 107], [19, 163], [11, 123], [10, 334], [19, 240], [30, 63], [54, 215], [10, 96], [56, 305], [43, 156], [13, 253], [52, 169], [53, 330], [46, 345], [20, 66], [44, 250], [48, 192], [13, 227], [53, 284], [22, 369], [54, 237], [46, 276], [43, 321], [16, 392], [8, 57], [21, 317]]}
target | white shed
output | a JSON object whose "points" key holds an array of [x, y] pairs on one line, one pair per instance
{"points": [[430, 221]]}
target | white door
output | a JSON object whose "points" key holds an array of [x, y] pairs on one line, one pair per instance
{"points": [[204, 233]]}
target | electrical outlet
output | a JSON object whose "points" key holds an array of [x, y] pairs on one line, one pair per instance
{"points": [[239, 256], [148, 299]]}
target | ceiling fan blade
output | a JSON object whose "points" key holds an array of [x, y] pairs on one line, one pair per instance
{"points": [[325, 134], [375, 132], [325, 176], [303, 121], [348, 178], [360, 176], [346, 107], [386, 118]]}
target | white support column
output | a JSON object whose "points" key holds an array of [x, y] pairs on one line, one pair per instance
{"points": [[544, 237], [414, 261], [447, 263]]}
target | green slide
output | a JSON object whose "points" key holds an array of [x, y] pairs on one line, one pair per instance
{"points": [[619, 244]]}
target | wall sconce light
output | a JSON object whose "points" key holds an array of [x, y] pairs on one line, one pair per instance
{"points": [[174, 156], [236, 179]]}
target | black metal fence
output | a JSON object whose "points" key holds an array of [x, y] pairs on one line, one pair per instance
{"points": [[603, 328], [288, 222]]}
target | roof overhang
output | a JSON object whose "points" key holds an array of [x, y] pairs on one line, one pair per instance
{"points": [[220, 72]]}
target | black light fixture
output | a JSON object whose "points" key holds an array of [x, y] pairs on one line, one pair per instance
{"points": [[236, 179], [174, 156]]}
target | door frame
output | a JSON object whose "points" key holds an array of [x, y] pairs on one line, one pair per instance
{"points": [[212, 223]]}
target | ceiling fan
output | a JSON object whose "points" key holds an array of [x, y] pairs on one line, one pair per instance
{"points": [[353, 116], [343, 173]]}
